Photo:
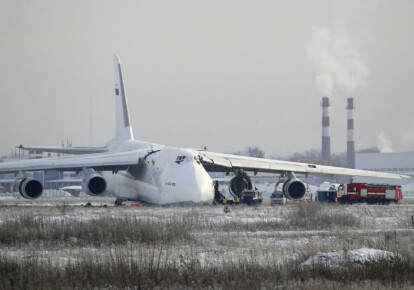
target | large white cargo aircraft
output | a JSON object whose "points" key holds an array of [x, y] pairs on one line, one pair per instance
{"points": [[159, 174]]}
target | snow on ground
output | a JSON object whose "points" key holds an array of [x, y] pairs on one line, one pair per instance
{"points": [[359, 256], [381, 227]]}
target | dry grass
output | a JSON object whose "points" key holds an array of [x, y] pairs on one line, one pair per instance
{"points": [[316, 216], [70, 247], [125, 272], [33, 228], [99, 232]]}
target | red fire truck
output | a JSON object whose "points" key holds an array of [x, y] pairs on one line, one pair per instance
{"points": [[370, 193]]}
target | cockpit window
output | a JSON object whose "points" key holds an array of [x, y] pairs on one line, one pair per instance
{"points": [[180, 159]]}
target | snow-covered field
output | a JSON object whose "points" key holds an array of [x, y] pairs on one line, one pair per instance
{"points": [[263, 235], [360, 256], [263, 231]]}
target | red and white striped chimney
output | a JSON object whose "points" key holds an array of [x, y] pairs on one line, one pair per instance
{"points": [[350, 139], [326, 139]]}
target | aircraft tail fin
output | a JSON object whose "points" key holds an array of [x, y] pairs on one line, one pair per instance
{"points": [[123, 124]]}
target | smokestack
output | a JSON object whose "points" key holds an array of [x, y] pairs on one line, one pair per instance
{"points": [[326, 139], [350, 139]]}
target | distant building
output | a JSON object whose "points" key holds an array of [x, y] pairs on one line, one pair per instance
{"points": [[398, 163], [34, 154]]}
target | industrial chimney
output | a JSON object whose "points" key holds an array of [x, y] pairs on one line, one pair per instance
{"points": [[350, 139], [326, 139]]}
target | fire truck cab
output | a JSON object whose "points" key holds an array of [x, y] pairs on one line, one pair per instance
{"points": [[370, 193]]}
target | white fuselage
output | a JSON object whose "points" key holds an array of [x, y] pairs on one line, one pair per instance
{"points": [[166, 175]]}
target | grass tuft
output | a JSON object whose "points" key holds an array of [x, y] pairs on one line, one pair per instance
{"points": [[123, 271], [99, 232]]}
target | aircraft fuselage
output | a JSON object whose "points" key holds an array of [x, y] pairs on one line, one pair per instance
{"points": [[164, 175]]}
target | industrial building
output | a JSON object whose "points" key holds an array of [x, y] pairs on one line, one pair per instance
{"points": [[399, 163]]}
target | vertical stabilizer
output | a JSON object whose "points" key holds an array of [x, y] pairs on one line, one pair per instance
{"points": [[123, 124]]}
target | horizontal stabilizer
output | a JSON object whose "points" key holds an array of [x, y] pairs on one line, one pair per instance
{"points": [[66, 150]]}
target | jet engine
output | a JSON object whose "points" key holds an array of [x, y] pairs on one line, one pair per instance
{"points": [[294, 188], [30, 188], [239, 183], [94, 184]]}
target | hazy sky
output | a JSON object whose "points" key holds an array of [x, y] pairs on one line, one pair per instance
{"points": [[221, 74]]}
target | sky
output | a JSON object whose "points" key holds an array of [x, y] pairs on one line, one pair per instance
{"points": [[223, 74]]}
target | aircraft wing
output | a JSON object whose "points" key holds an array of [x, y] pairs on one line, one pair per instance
{"points": [[67, 150], [100, 162], [227, 162]]}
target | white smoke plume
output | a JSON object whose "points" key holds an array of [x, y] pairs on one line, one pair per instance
{"points": [[384, 143], [336, 61]]}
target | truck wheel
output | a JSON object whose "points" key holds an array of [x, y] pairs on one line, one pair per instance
{"points": [[119, 201]]}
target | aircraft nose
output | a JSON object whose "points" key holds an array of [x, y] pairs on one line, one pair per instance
{"points": [[205, 185], [187, 182], [202, 185]]}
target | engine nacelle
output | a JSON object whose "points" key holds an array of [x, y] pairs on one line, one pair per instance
{"points": [[239, 183], [30, 188], [294, 189], [94, 184]]}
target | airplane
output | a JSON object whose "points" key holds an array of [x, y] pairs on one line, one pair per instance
{"points": [[159, 174]]}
